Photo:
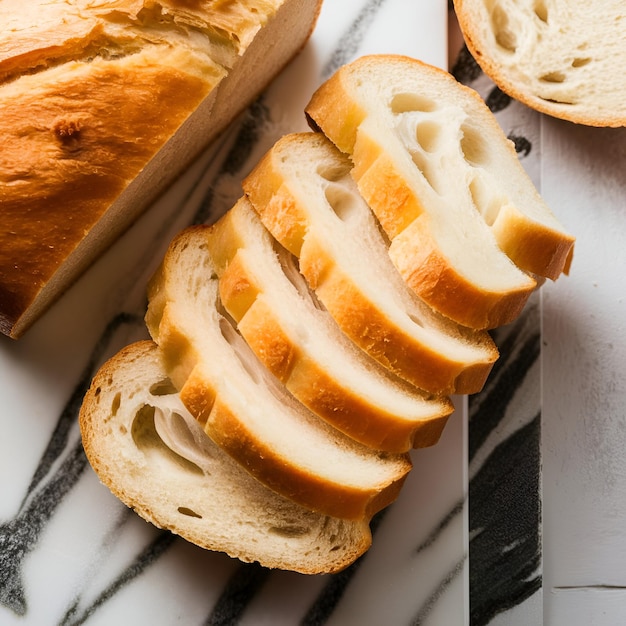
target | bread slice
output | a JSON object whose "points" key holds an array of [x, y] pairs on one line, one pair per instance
{"points": [[246, 410], [154, 456], [446, 185], [565, 59], [301, 344], [305, 197], [101, 106]]}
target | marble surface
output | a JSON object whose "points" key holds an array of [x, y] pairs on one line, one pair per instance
{"points": [[515, 517]]}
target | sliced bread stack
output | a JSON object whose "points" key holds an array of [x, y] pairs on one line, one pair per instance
{"points": [[308, 340]]}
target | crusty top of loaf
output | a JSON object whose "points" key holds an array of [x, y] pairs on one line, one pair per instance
{"points": [[82, 90]]}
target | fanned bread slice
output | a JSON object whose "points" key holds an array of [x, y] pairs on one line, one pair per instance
{"points": [[305, 197], [245, 409], [154, 456], [565, 59], [446, 185], [302, 345]]}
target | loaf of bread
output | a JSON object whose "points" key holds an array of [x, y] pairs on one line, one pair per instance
{"points": [[156, 458], [291, 347], [467, 226], [565, 59], [102, 104]]}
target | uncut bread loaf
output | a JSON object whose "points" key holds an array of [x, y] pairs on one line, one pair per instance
{"points": [[155, 457], [245, 409], [300, 343], [102, 104], [565, 59], [468, 229], [305, 196]]}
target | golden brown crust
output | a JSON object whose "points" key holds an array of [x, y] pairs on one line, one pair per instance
{"points": [[420, 262], [418, 363], [229, 504], [189, 355], [308, 381], [64, 165], [535, 248]]}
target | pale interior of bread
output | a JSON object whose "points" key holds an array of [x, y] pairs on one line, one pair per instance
{"points": [[564, 56], [440, 156]]}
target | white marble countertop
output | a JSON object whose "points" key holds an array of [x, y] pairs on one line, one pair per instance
{"points": [[518, 515]]}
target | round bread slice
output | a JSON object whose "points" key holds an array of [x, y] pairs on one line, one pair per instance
{"points": [[466, 224], [302, 345], [154, 456], [565, 59], [245, 409], [304, 195]]}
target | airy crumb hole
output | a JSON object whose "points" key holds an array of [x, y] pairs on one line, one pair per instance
{"points": [[541, 10], [406, 102], [115, 405], [416, 320], [241, 349], [558, 101], [183, 510], [163, 388], [428, 134], [505, 37], [485, 202], [424, 165], [289, 265], [341, 200], [581, 61], [289, 530], [553, 77], [147, 439], [331, 173], [473, 146]]}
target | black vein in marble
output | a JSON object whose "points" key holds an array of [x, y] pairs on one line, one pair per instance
{"points": [[20, 535], [426, 609], [352, 38], [504, 513], [497, 100], [58, 441], [517, 355], [147, 557], [457, 509], [240, 589], [327, 600], [465, 69]]}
